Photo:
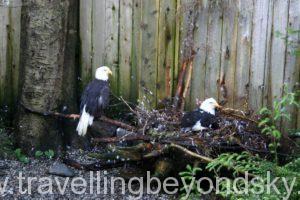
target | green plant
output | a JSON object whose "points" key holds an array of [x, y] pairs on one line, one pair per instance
{"points": [[20, 156], [48, 154], [259, 169], [238, 162], [189, 176], [38, 154], [271, 117]]}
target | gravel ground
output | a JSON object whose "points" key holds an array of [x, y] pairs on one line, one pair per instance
{"points": [[10, 171]]}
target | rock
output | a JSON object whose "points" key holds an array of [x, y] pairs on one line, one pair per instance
{"points": [[60, 169], [3, 169], [2, 173]]}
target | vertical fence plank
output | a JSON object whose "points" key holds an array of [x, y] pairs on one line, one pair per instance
{"points": [[86, 41], [4, 24], [228, 57], [200, 40], [267, 74], [177, 47], [136, 50], [111, 57], [125, 47], [258, 56], [214, 41], [98, 34], [243, 54], [292, 68], [149, 26], [14, 35], [166, 46], [277, 62]]}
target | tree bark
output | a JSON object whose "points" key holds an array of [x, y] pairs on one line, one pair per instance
{"points": [[43, 36]]}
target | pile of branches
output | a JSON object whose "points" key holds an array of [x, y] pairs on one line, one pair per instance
{"points": [[236, 132]]}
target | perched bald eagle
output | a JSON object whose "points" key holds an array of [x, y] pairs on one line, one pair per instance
{"points": [[201, 118], [94, 99]]}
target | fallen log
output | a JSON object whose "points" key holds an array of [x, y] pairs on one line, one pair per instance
{"points": [[96, 166], [126, 138]]}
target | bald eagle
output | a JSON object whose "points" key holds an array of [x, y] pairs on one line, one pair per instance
{"points": [[201, 118], [94, 99]]}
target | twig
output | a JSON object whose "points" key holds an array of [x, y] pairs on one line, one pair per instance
{"points": [[238, 116], [125, 102], [204, 158], [233, 110], [117, 123], [77, 116], [192, 154], [144, 127]]}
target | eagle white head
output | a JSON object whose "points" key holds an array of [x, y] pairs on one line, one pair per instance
{"points": [[102, 73], [210, 105]]}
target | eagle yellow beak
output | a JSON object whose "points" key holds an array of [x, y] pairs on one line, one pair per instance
{"points": [[109, 72], [218, 106]]}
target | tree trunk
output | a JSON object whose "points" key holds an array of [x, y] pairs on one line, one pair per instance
{"points": [[43, 36]]}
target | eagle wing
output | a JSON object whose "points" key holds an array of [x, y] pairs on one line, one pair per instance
{"points": [[103, 99], [206, 119], [95, 97], [190, 118]]}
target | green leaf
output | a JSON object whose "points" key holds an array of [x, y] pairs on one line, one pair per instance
{"points": [[39, 154], [24, 159], [263, 122], [276, 134], [264, 111], [185, 173], [266, 130], [49, 154], [189, 167], [18, 152]]}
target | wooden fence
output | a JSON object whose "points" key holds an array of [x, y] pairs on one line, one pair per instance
{"points": [[241, 52], [10, 19], [244, 48]]}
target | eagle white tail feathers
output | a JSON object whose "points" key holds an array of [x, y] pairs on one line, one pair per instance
{"points": [[85, 120]]}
